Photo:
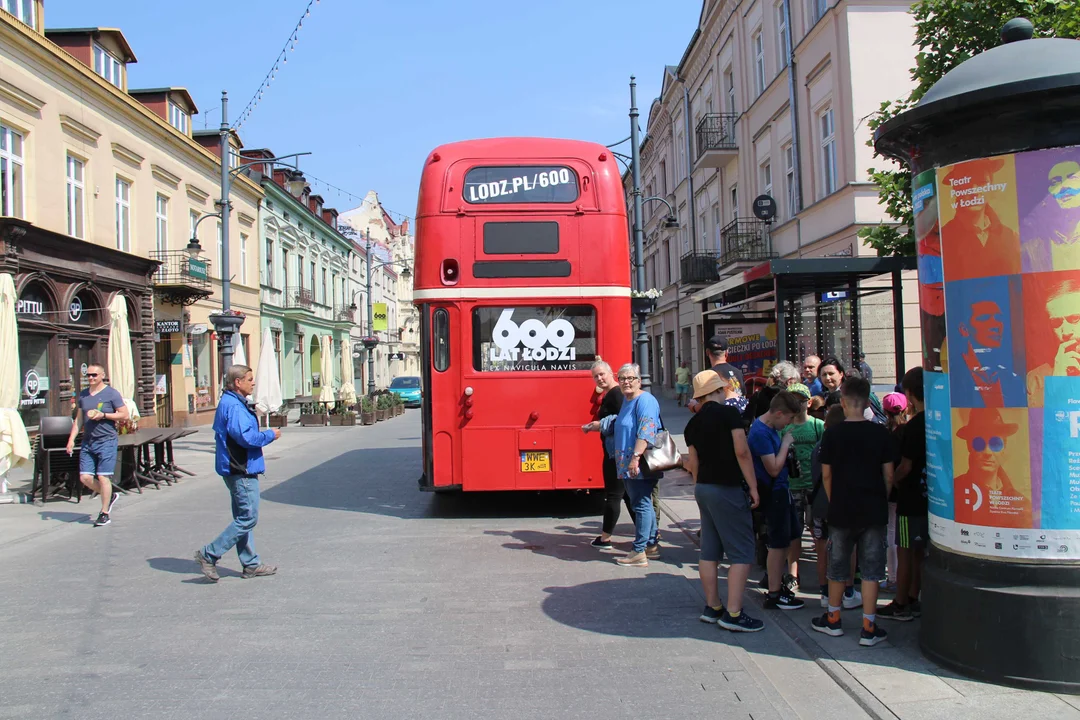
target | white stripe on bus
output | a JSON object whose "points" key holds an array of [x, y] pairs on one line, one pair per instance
{"points": [[522, 292]]}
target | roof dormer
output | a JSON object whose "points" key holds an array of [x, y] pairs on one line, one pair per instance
{"points": [[28, 11], [173, 105], [103, 50], [211, 140]]}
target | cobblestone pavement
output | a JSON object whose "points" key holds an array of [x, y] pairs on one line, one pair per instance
{"points": [[390, 603]]}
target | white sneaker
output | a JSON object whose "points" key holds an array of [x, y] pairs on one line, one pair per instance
{"points": [[855, 601]]}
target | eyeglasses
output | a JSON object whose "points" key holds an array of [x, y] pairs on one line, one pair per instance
{"points": [[629, 379], [93, 374], [979, 444]]}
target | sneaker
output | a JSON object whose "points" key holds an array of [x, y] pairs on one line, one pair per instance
{"points": [[112, 500], [260, 570], [825, 600], [915, 608], [873, 636], [764, 584], [852, 601], [710, 614], [822, 625], [599, 542], [895, 611], [102, 519], [633, 559], [743, 623], [783, 601], [790, 582], [888, 587], [652, 551], [209, 569]]}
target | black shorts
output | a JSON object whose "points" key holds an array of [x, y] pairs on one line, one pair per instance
{"points": [[781, 520], [912, 531]]}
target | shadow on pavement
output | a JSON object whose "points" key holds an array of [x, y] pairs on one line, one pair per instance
{"points": [[66, 517], [356, 481], [180, 566]]}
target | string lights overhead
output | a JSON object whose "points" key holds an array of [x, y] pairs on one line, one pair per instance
{"points": [[397, 217], [281, 59]]}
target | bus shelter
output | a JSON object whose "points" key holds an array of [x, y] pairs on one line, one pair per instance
{"points": [[839, 307]]}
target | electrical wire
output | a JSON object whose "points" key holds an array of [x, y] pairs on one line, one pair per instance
{"points": [[281, 59], [342, 191]]}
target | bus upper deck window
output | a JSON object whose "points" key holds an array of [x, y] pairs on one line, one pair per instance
{"points": [[440, 331]]}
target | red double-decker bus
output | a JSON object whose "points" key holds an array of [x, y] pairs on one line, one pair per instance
{"points": [[522, 279]]}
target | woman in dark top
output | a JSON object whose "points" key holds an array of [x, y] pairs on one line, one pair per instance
{"points": [[614, 491]]}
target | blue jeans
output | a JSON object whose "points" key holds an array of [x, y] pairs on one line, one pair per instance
{"points": [[645, 525], [245, 511]]}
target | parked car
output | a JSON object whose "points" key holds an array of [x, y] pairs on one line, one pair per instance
{"points": [[408, 389]]}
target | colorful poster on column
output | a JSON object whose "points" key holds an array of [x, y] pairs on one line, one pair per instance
{"points": [[998, 244], [751, 347]]}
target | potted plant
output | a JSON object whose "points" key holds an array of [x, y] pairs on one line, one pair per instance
{"points": [[382, 408], [399, 405], [312, 415], [277, 419], [643, 302], [336, 416], [367, 411]]}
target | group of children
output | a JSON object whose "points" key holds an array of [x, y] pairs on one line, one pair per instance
{"points": [[840, 476]]}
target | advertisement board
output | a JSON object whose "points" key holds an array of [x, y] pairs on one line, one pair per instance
{"points": [[751, 346]]}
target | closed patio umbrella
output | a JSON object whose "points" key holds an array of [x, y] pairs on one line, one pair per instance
{"points": [[267, 383], [14, 444], [239, 358], [121, 363], [347, 392], [326, 392]]}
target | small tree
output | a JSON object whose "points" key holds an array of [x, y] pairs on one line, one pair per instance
{"points": [[948, 32]]}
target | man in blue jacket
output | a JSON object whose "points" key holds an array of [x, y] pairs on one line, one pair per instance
{"points": [[239, 461]]}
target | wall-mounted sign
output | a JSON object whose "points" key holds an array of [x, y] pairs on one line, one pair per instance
{"points": [[764, 208], [197, 269], [197, 329], [31, 384], [75, 309], [161, 385], [165, 327], [378, 317], [834, 295], [29, 307]]}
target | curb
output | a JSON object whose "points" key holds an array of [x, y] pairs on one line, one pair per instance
{"points": [[830, 665]]}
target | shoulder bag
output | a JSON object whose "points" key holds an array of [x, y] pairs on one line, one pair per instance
{"points": [[663, 455]]}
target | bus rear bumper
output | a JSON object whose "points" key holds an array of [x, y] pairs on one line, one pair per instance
{"points": [[428, 487]]}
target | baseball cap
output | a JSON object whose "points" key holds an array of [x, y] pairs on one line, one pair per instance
{"points": [[707, 382], [718, 343], [799, 389], [894, 403]]}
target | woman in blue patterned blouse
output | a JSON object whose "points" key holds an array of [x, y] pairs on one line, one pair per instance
{"points": [[635, 429]]}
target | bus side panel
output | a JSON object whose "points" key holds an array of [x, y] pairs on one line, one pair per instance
{"points": [[578, 458], [492, 460]]}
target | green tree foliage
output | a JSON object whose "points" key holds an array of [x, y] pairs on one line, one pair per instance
{"points": [[948, 32]]}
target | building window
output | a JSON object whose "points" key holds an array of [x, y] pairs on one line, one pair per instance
{"points": [[313, 280], [11, 173], [108, 67], [789, 179], [817, 10], [178, 118], [76, 196], [759, 62], [234, 157], [202, 367], [663, 178], [220, 252], [325, 298], [666, 278], [734, 202], [284, 270], [703, 229], [782, 44], [729, 89], [22, 9], [123, 215], [716, 225], [270, 280], [162, 221], [680, 156], [766, 178], [243, 259], [828, 152]]}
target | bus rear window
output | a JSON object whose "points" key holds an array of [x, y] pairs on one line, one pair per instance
{"points": [[520, 184], [534, 339], [440, 331]]}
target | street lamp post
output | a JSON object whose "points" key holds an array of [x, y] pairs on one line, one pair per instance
{"points": [[639, 241], [225, 323], [371, 267]]}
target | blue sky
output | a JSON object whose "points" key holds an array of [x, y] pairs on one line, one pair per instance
{"points": [[374, 85]]}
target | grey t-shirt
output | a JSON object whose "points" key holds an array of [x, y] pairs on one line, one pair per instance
{"points": [[97, 432]]}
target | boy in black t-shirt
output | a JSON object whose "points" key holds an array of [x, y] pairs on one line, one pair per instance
{"points": [[857, 473], [912, 508]]}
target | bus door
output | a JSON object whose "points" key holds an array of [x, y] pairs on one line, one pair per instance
{"points": [[442, 394]]}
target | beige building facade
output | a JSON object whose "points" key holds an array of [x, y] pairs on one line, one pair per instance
{"points": [[118, 173], [724, 125]]}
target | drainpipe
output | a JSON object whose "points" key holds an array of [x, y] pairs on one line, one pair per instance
{"points": [[793, 104], [690, 209]]}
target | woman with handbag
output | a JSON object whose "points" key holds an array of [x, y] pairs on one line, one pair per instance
{"points": [[638, 429], [614, 490]]}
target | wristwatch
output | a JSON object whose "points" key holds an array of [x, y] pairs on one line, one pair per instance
{"points": [[637, 455]]}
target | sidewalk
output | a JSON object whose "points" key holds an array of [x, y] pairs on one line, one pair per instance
{"points": [[892, 680]]}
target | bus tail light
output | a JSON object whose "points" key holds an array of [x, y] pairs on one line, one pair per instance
{"points": [[468, 413], [534, 416], [468, 402], [449, 273]]}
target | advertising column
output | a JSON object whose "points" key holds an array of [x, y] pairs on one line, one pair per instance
{"points": [[998, 243]]}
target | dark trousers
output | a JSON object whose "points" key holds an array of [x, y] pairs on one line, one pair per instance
{"points": [[614, 494]]}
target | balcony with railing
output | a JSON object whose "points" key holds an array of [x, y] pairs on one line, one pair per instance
{"points": [[181, 278], [744, 240], [715, 137], [299, 299], [699, 267], [344, 314]]}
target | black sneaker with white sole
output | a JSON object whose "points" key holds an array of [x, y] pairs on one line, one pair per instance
{"points": [[743, 623], [102, 519], [710, 614], [600, 542], [873, 636], [783, 601], [824, 625]]}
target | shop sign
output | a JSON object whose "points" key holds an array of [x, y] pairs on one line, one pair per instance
{"points": [[75, 309], [316, 379], [33, 386], [197, 329], [30, 307], [197, 269], [164, 327], [161, 386], [378, 317]]}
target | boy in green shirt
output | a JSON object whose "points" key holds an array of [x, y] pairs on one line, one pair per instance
{"points": [[805, 432], [682, 383]]}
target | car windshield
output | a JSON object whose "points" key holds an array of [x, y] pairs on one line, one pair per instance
{"points": [[405, 383]]}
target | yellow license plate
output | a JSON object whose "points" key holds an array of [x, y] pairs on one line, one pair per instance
{"points": [[535, 462]]}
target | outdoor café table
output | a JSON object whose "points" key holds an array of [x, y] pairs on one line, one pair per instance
{"points": [[164, 467], [130, 448]]}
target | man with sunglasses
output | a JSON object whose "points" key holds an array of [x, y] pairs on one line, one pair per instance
{"points": [[100, 406], [985, 495]]}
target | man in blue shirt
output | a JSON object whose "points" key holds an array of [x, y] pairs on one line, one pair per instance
{"points": [[239, 461], [100, 407], [810, 375], [770, 454]]}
